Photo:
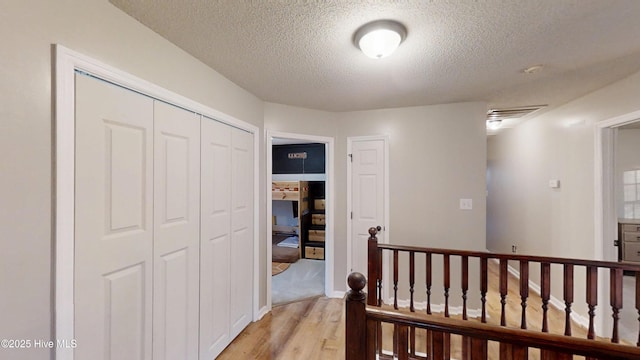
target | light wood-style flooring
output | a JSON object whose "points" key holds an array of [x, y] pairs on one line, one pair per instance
{"points": [[315, 329], [308, 329]]}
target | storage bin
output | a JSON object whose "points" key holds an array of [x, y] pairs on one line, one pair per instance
{"points": [[312, 252], [317, 219], [318, 204], [316, 235]]}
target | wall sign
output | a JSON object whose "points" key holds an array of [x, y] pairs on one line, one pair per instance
{"points": [[299, 155], [298, 159]]}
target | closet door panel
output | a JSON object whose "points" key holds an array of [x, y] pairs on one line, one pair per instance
{"points": [[242, 230], [177, 232], [215, 241], [113, 222]]}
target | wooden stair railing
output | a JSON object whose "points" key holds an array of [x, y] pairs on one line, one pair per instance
{"points": [[362, 330], [508, 349]]}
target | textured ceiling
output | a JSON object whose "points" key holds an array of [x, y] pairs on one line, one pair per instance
{"points": [[301, 53]]}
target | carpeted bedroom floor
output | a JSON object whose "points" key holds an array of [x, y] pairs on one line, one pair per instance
{"points": [[278, 267], [303, 279]]}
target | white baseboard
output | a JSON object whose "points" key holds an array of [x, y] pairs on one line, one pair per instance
{"points": [[390, 353], [337, 294], [436, 308], [262, 312]]}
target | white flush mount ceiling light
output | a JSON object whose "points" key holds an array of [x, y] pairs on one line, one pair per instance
{"points": [[380, 38]]}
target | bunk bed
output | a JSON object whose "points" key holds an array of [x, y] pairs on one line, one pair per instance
{"points": [[296, 192]]}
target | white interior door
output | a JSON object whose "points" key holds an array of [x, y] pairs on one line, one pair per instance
{"points": [[241, 230], [114, 225], [215, 238], [176, 232], [367, 190]]}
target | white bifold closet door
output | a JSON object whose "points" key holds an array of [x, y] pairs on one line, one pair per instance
{"points": [[176, 244], [138, 223], [113, 284], [241, 230], [226, 251]]}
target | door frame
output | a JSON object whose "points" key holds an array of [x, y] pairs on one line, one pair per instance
{"points": [[386, 212], [66, 63], [329, 205], [605, 224]]}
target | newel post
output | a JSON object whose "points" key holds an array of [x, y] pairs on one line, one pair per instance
{"points": [[356, 318], [373, 268]]}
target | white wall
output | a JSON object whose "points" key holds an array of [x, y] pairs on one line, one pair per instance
{"points": [[627, 157], [438, 155], [95, 28], [559, 144]]}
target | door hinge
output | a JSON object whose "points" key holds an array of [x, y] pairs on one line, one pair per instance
{"points": [[352, 215], [351, 157]]}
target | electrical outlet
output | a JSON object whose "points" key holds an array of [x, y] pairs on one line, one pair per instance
{"points": [[466, 204], [514, 249]]}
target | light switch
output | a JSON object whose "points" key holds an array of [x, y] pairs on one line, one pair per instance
{"points": [[466, 204], [554, 184]]}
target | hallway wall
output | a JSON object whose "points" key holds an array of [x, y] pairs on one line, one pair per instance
{"points": [[522, 209], [437, 156], [97, 29]]}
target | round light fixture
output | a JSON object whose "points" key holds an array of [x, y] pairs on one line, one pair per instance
{"points": [[380, 38]]}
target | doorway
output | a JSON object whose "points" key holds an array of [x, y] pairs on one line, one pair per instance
{"points": [[607, 186], [300, 214], [367, 198]]}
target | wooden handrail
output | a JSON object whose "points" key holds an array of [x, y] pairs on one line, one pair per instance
{"points": [[615, 269], [592, 267], [363, 335], [510, 257], [527, 338]]}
